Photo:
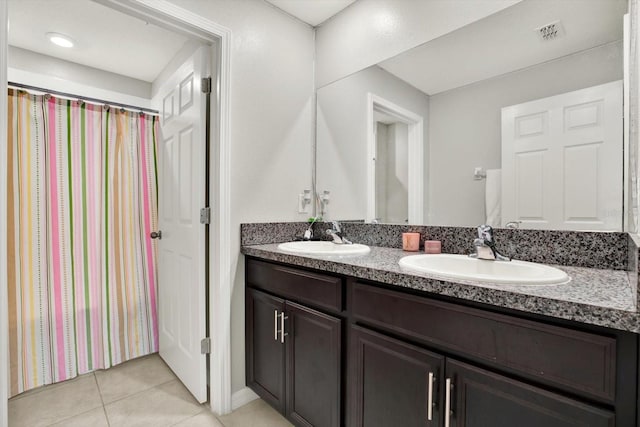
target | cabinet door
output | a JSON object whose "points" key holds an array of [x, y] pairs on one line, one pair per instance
{"points": [[481, 398], [313, 367], [393, 383], [265, 352]]}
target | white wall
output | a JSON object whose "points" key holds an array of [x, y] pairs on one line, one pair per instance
{"points": [[465, 126], [51, 73], [271, 126], [342, 137], [370, 31]]}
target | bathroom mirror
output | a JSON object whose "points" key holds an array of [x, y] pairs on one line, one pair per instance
{"points": [[514, 118]]}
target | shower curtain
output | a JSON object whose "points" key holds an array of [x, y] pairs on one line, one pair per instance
{"points": [[81, 203]]}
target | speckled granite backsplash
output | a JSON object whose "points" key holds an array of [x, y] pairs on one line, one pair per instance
{"points": [[271, 232], [617, 251], [634, 262]]}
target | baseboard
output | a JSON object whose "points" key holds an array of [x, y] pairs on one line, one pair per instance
{"points": [[242, 397]]}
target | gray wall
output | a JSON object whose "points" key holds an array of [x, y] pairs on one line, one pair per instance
{"points": [[465, 126]]}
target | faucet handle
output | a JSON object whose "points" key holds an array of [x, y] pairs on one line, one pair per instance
{"points": [[336, 226], [513, 225], [485, 232]]}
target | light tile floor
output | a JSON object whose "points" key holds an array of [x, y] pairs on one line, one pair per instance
{"points": [[139, 393]]}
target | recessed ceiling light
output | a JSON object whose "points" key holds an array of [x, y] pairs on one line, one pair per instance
{"points": [[60, 39]]}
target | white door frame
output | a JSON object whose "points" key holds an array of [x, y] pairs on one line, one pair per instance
{"points": [[4, 302], [415, 152], [220, 246], [629, 222]]}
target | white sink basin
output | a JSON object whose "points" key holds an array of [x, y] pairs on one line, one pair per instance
{"points": [[462, 267], [323, 248]]}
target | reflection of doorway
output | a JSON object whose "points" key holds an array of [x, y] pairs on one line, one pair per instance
{"points": [[395, 163], [392, 175]]}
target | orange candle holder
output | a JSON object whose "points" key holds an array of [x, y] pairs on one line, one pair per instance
{"points": [[411, 242]]}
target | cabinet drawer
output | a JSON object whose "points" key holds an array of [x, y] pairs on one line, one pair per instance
{"points": [[573, 360], [315, 289]]}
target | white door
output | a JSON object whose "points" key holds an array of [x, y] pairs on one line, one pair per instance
{"points": [[561, 160], [181, 250]]}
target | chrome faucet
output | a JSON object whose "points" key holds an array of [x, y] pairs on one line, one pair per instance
{"points": [[336, 233], [486, 247]]}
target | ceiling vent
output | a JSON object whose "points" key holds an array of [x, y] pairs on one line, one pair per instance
{"points": [[550, 31]]}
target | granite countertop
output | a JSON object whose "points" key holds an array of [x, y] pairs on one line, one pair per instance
{"points": [[593, 296]]}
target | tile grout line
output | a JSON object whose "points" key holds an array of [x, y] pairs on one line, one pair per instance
{"points": [[81, 413], [153, 388], [186, 419], [45, 387], [104, 409], [139, 391], [72, 416]]}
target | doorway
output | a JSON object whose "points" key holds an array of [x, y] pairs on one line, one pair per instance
{"points": [[169, 15]]}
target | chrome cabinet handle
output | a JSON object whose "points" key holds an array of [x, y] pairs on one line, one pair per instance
{"points": [[430, 397], [447, 403], [282, 333], [275, 325]]}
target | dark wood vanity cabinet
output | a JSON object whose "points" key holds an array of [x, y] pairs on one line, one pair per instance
{"points": [[313, 367], [265, 353], [393, 383], [496, 370], [480, 398], [293, 352], [408, 357]]}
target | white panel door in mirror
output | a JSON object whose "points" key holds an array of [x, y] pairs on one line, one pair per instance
{"points": [[529, 175], [577, 183]]}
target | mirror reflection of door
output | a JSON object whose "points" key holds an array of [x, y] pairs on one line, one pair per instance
{"points": [[560, 158], [391, 165]]}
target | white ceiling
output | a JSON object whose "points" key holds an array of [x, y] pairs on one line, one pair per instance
{"points": [[507, 41], [105, 39], [313, 12]]}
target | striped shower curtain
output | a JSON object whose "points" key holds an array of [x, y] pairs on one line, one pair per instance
{"points": [[82, 202]]}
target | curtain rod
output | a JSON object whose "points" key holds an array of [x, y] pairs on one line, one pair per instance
{"points": [[84, 98]]}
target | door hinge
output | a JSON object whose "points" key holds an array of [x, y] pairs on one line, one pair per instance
{"points": [[206, 85], [205, 346], [205, 215]]}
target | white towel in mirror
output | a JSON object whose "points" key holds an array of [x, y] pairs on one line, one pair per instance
{"points": [[493, 197]]}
